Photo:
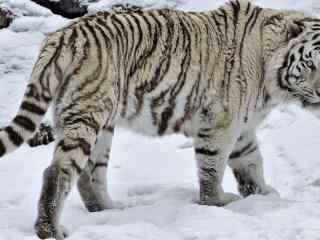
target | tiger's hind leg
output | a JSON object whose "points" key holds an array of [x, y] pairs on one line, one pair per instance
{"points": [[247, 166], [92, 183], [78, 134]]}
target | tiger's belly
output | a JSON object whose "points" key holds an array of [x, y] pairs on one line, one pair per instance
{"points": [[152, 118]]}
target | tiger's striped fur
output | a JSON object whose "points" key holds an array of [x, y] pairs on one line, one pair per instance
{"points": [[210, 75]]}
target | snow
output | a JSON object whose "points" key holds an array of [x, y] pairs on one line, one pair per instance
{"points": [[154, 182]]}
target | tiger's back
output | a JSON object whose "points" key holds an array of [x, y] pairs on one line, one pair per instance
{"points": [[161, 71]]}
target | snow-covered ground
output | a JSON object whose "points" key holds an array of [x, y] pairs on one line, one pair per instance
{"points": [[153, 182]]}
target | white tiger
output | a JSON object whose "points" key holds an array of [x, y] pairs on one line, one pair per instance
{"points": [[211, 75]]}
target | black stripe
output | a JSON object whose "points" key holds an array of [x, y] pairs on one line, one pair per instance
{"points": [[32, 92], [109, 128], [165, 117], [156, 102], [31, 107], [217, 24], [92, 30], [244, 87], [102, 31], [205, 151], [316, 43], [130, 56], [72, 41], [85, 48], [3, 149], [66, 172], [85, 146], [301, 51], [76, 166], [155, 18], [140, 34], [102, 24], [14, 137], [25, 123], [121, 45], [245, 32], [224, 15], [168, 111], [315, 36], [80, 143], [208, 171], [205, 129], [249, 148], [236, 9], [99, 165], [258, 11], [280, 73], [248, 8], [90, 163], [122, 35], [56, 54], [97, 72], [246, 117], [292, 58], [119, 49], [190, 106], [72, 120], [287, 67], [308, 19], [155, 37], [162, 67], [202, 135], [252, 16]]}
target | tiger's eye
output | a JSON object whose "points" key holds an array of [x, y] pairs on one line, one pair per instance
{"points": [[310, 63]]}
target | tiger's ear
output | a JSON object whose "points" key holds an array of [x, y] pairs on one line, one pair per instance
{"points": [[295, 28]]}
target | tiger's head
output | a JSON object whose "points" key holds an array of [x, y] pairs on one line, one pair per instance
{"points": [[294, 69]]}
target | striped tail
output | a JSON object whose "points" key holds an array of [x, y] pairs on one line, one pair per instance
{"points": [[37, 98]]}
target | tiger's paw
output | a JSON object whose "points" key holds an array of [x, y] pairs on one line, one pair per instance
{"points": [[95, 205], [98, 207], [249, 189], [45, 230], [43, 136], [269, 190], [222, 200]]}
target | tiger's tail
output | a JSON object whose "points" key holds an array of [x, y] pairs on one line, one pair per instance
{"points": [[45, 79]]}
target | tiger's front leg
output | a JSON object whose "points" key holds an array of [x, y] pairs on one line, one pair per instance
{"points": [[247, 166], [212, 151]]}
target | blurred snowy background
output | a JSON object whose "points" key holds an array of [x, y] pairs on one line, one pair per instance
{"points": [[153, 182]]}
